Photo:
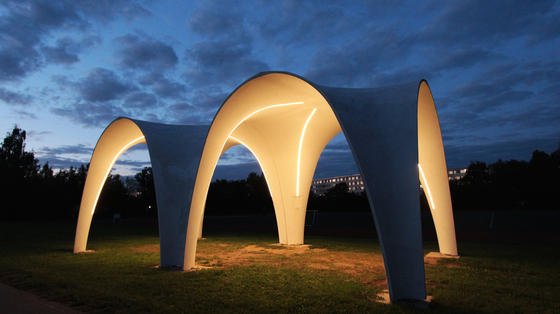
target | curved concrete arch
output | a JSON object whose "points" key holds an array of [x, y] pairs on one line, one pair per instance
{"points": [[117, 138], [174, 171], [270, 114], [274, 113], [433, 171], [286, 122]]}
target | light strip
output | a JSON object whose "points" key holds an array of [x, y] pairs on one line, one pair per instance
{"points": [[135, 141], [427, 188], [254, 113], [301, 137], [260, 110]]}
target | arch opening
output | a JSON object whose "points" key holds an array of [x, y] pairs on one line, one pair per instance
{"points": [[238, 187], [337, 165], [173, 173], [274, 123], [117, 138], [432, 168]]}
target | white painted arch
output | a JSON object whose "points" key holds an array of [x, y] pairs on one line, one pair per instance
{"points": [[286, 121]]}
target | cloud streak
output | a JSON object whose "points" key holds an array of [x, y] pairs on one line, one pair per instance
{"points": [[145, 53]]}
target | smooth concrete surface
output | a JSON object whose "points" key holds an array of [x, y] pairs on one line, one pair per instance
{"points": [[16, 301], [175, 152], [381, 130], [286, 122]]}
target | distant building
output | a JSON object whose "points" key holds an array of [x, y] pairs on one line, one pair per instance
{"points": [[354, 182], [456, 174]]}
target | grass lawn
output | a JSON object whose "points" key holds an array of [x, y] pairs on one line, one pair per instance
{"points": [[250, 274]]}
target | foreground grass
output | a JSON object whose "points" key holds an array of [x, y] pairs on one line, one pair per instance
{"points": [[249, 274]]}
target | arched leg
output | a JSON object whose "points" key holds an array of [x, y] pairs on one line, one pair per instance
{"points": [[116, 139], [175, 153], [382, 133], [433, 172]]}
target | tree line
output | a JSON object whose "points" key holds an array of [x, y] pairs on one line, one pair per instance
{"points": [[33, 191], [512, 184]]}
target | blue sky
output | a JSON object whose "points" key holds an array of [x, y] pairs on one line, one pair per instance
{"points": [[67, 68]]}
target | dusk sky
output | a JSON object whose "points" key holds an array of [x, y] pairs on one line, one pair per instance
{"points": [[68, 68]]}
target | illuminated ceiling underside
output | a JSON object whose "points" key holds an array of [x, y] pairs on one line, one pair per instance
{"points": [[286, 122]]}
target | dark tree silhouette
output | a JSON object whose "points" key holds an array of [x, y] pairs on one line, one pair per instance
{"points": [[512, 184], [18, 170], [146, 194], [338, 198], [32, 191]]}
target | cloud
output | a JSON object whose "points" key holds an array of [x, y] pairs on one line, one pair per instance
{"points": [[355, 62], [336, 159], [14, 98], [462, 58], [199, 109], [163, 86], [236, 155], [183, 112], [107, 10], [489, 22], [67, 50], [507, 97], [335, 164], [38, 135], [226, 56], [102, 85], [289, 25], [227, 61], [210, 19], [61, 162], [455, 38], [78, 149], [141, 100], [91, 113], [134, 165], [25, 114], [26, 25], [102, 95], [22, 27], [145, 53], [64, 156]]}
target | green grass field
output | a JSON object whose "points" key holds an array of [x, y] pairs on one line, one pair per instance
{"points": [[250, 274]]}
